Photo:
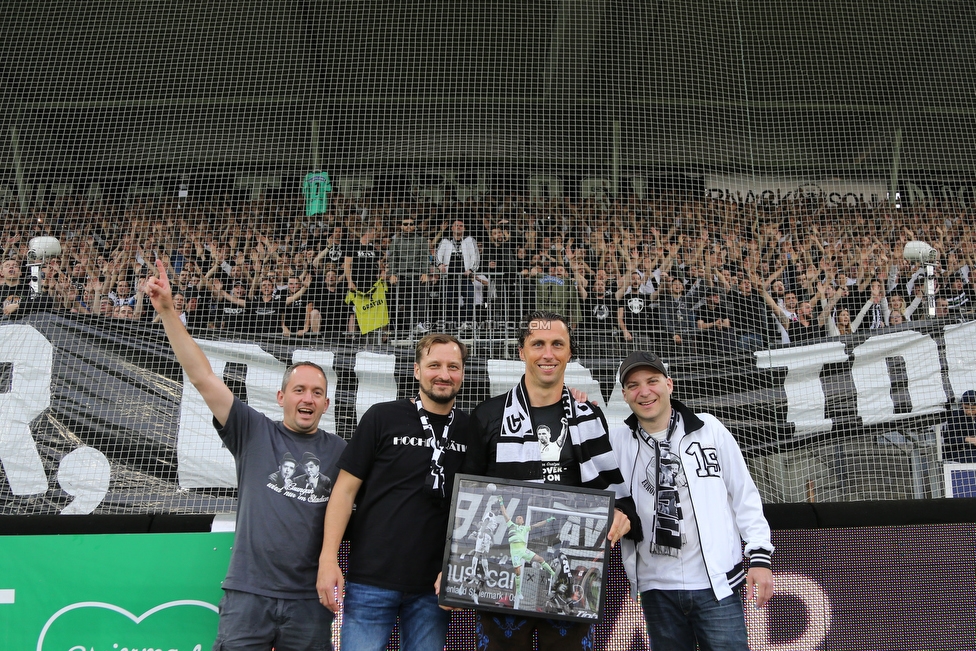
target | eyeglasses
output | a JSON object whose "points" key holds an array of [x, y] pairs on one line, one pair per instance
{"points": [[407, 224]]}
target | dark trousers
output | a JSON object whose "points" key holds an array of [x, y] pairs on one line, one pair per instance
{"points": [[498, 632], [407, 303], [458, 287]]}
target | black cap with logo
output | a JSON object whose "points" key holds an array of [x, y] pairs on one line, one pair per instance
{"points": [[639, 359]]}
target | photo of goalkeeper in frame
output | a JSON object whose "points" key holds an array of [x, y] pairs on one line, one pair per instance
{"points": [[528, 548]]}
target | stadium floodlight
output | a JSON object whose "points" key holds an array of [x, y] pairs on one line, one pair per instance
{"points": [[924, 253], [43, 248], [918, 251], [39, 250]]}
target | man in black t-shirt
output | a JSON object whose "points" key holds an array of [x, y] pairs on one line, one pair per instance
{"points": [[361, 267], [230, 308], [265, 311], [748, 316], [361, 263], [330, 314], [714, 325], [399, 468], [674, 315], [637, 310], [14, 288], [597, 307], [959, 433], [198, 312], [498, 262], [298, 310]]}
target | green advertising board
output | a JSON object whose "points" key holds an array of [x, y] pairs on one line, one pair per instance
{"points": [[111, 592]]}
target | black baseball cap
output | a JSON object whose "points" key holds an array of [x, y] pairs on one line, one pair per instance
{"points": [[968, 398], [641, 359]]}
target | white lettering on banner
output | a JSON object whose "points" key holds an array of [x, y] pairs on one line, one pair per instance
{"points": [[873, 382], [325, 359], [204, 463], [84, 474], [960, 368], [377, 380], [804, 394], [203, 460], [31, 355], [817, 608]]}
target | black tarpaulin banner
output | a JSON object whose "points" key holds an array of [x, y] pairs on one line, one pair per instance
{"points": [[97, 419]]}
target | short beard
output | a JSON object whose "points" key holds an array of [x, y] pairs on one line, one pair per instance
{"points": [[441, 400]]}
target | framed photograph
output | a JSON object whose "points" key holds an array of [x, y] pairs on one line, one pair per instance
{"points": [[526, 548]]}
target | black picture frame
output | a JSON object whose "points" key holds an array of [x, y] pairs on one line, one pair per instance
{"points": [[567, 529]]}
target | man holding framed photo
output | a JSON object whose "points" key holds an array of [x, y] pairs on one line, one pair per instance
{"points": [[506, 443]]}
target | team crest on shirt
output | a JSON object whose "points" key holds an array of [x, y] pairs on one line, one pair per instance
{"points": [[635, 304]]}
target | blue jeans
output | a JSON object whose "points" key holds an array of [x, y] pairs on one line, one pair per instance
{"points": [[369, 614], [253, 622], [678, 619]]}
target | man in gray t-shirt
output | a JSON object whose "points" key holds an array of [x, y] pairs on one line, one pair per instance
{"points": [[269, 599]]}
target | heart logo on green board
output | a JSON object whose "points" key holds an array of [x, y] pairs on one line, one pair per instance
{"points": [[99, 626]]}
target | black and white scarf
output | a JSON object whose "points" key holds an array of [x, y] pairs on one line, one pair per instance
{"points": [[518, 445], [662, 474], [877, 317], [435, 480]]}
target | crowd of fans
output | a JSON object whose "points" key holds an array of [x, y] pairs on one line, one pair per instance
{"points": [[669, 272]]}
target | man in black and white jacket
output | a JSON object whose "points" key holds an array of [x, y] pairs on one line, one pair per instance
{"points": [[697, 504]]}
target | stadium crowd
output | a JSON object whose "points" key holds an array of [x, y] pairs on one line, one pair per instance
{"points": [[665, 273]]}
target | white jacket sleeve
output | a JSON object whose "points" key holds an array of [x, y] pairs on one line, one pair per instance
{"points": [[744, 498], [469, 248], [444, 251]]}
